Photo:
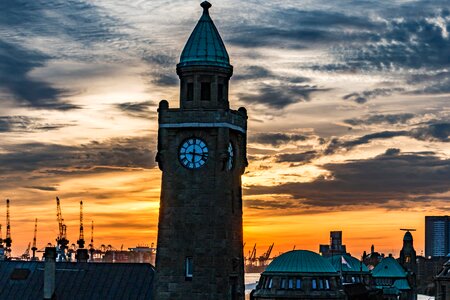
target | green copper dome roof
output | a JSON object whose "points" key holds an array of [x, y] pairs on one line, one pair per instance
{"points": [[389, 268], [347, 263], [300, 261], [205, 46]]}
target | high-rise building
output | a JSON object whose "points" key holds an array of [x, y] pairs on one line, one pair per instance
{"points": [[437, 236], [202, 155], [335, 247]]}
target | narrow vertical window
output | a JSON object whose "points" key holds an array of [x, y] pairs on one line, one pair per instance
{"points": [[283, 283], [320, 284], [188, 268], [298, 284], [291, 283], [314, 284], [190, 91], [270, 283], [205, 91], [327, 284], [219, 92]]}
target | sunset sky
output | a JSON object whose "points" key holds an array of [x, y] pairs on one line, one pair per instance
{"points": [[348, 103]]}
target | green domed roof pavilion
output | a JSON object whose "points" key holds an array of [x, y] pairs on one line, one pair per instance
{"points": [[205, 46], [301, 262]]}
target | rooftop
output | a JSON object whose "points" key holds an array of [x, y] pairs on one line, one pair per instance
{"points": [[25, 280], [300, 261], [205, 46], [389, 268]]}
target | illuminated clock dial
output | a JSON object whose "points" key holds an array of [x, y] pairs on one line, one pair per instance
{"points": [[193, 153], [230, 157]]}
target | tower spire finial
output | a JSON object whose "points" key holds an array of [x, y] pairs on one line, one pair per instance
{"points": [[206, 5]]}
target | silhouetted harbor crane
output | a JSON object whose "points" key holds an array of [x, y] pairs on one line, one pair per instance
{"points": [[80, 241], [8, 240], [34, 248], [61, 240]]}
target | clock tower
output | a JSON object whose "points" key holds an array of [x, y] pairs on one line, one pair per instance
{"points": [[202, 156]]}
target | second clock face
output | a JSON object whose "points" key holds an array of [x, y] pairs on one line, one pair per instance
{"points": [[193, 153]]}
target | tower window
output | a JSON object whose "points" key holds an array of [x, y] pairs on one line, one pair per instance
{"points": [[190, 91], [206, 91], [219, 92], [188, 268]]}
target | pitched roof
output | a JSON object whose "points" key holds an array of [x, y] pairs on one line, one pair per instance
{"points": [[402, 284], [300, 261], [25, 280], [205, 46], [389, 268]]}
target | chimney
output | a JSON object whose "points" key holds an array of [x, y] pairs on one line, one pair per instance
{"points": [[82, 255], [49, 273]]}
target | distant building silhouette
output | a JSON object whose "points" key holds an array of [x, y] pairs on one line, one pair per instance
{"points": [[437, 236], [335, 247]]}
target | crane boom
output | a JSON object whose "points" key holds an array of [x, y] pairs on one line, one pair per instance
{"points": [[80, 241], [61, 240], [92, 234], [59, 217]]}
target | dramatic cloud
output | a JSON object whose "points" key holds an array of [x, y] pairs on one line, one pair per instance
{"points": [[145, 109], [391, 119], [303, 157], [365, 96], [114, 153], [277, 139], [16, 63], [393, 176], [298, 29], [438, 132], [26, 124], [279, 96], [61, 25], [161, 69]]}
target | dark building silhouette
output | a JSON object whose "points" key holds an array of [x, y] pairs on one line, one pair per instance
{"points": [[372, 259], [202, 154], [437, 236], [443, 282], [335, 247], [408, 254]]}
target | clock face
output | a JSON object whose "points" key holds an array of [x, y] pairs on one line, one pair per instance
{"points": [[230, 156], [193, 153]]}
